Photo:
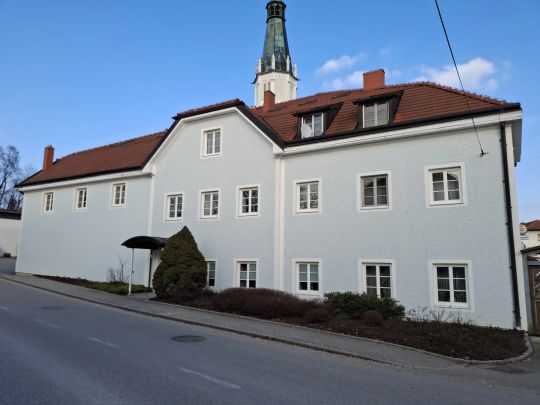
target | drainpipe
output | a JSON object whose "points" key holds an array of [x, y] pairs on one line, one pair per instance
{"points": [[510, 226]]}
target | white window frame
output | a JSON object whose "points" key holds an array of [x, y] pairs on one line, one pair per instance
{"points": [[204, 134], [360, 191], [239, 191], [208, 273], [312, 124], [362, 279], [44, 202], [296, 277], [237, 263], [76, 199], [376, 116], [113, 195], [296, 197], [201, 203], [469, 305], [166, 217], [430, 202]]}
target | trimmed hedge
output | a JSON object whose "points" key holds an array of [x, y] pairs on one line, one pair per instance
{"points": [[262, 303], [353, 305]]}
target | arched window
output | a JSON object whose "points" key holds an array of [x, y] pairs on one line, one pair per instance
{"points": [[278, 11], [272, 11]]}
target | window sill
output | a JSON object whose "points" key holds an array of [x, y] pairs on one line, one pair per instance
{"points": [[173, 219], [452, 305], [375, 208], [432, 204], [307, 212]]}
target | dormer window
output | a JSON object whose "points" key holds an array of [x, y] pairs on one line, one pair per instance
{"points": [[312, 125], [375, 114]]}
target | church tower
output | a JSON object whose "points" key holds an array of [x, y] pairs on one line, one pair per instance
{"points": [[275, 71]]}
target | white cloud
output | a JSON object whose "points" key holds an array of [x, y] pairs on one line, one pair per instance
{"points": [[477, 74], [339, 64], [355, 79]]}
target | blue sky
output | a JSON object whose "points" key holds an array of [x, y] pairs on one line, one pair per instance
{"points": [[78, 74]]}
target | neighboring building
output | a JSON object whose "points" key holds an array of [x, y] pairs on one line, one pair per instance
{"points": [[10, 228], [380, 189], [530, 234]]}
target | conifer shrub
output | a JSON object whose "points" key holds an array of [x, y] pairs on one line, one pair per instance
{"points": [[353, 305], [181, 275]]}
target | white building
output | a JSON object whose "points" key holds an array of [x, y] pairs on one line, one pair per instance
{"points": [[380, 189], [10, 227], [530, 234]]}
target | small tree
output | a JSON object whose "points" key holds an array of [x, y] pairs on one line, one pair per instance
{"points": [[182, 271]]}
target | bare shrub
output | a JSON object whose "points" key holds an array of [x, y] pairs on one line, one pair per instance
{"points": [[118, 274], [425, 314], [319, 314], [372, 318]]}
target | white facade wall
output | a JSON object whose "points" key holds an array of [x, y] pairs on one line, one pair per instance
{"points": [[283, 85], [246, 159], [83, 243], [10, 230], [531, 239], [411, 233]]}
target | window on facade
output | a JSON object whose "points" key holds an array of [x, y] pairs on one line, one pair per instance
{"points": [[307, 196], [376, 114], [445, 185], [211, 270], [378, 280], [212, 143], [81, 195], [451, 284], [375, 191], [210, 204], [308, 277], [48, 200], [119, 195], [248, 274], [315, 122], [174, 206], [538, 237], [249, 201]]}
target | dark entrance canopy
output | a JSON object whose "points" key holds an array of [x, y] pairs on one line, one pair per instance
{"points": [[145, 242]]}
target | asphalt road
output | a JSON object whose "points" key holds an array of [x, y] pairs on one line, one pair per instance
{"points": [[57, 350]]}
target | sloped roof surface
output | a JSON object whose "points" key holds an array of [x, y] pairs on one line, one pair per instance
{"points": [[533, 225], [417, 102]]}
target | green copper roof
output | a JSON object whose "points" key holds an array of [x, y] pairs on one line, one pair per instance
{"points": [[275, 42]]}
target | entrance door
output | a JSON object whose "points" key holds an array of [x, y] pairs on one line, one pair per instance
{"points": [[534, 277]]}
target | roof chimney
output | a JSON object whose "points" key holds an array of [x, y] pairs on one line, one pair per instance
{"points": [[269, 101], [48, 157], [374, 79]]}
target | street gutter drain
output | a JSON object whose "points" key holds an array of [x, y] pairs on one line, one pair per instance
{"points": [[188, 338], [53, 308]]}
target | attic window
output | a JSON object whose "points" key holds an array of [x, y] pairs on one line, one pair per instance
{"points": [[312, 125], [375, 114]]}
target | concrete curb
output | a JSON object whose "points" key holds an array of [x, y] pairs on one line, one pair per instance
{"points": [[285, 340]]}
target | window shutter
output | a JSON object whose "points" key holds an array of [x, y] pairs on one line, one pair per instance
{"points": [[369, 116], [382, 113]]}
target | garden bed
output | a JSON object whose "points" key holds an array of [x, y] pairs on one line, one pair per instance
{"points": [[116, 287], [426, 330]]}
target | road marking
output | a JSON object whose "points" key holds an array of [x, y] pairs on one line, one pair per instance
{"points": [[51, 325], [38, 320], [4, 308], [7, 309], [214, 380], [93, 339]]}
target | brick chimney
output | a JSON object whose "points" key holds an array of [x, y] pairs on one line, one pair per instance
{"points": [[269, 101], [48, 157], [374, 79]]}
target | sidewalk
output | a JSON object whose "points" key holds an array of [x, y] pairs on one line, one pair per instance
{"points": [[299, 336]]}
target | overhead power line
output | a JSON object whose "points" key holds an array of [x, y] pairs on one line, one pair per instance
{"points": [[482, 153]]}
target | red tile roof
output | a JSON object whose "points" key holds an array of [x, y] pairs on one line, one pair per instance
{"points": [[418, 101], [533, 225], [120, 156]]}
